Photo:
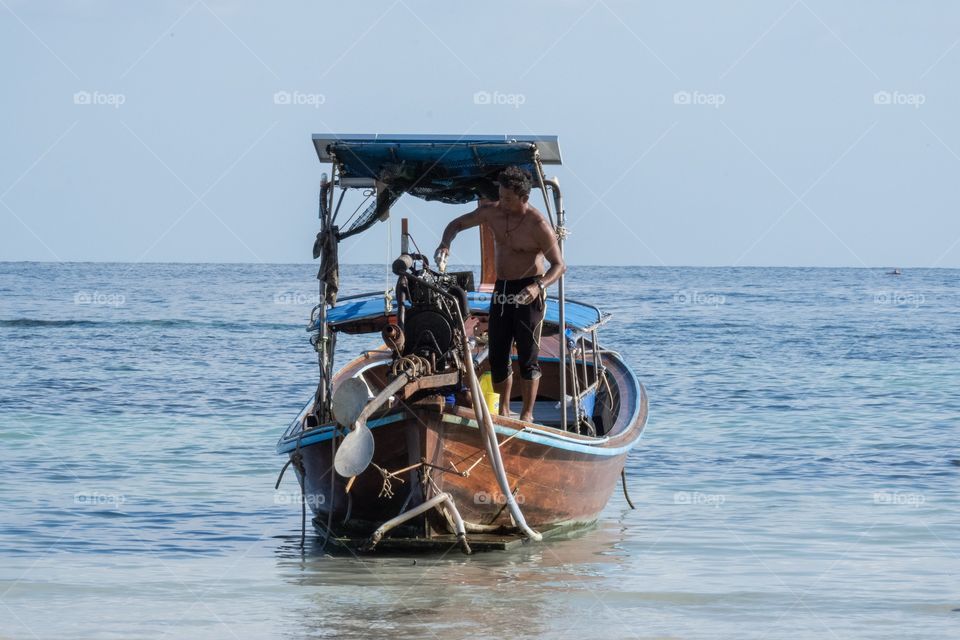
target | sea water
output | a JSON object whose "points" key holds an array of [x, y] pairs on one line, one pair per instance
{"points": [[798, 477]]}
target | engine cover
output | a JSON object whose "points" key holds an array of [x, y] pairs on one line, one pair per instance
{"points": [[427, 332]]}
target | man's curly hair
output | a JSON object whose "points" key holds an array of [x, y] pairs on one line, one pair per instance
{"points": [[516, 179]]}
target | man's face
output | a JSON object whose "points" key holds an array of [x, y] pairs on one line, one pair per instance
{"points": [[510, 199]]}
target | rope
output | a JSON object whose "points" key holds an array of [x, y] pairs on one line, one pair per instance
{"points": [[386, 491], [296, 459], [623, 480]]}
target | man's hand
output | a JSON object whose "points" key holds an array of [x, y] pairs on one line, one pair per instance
{"points": [[529, 294], [440, 256]]}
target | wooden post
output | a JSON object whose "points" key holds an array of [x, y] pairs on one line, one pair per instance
{"points": [[488, 266]]}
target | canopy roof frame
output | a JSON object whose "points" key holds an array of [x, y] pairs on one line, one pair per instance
{"points": [[454, 169]]}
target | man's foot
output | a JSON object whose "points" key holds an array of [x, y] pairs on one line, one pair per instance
{"points": [[526, 417], [509, 414]]}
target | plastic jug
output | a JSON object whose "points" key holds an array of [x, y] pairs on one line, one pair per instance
{"points": [[491, 397]]}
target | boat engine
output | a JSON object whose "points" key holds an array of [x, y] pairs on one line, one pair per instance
{"points": [[428, 326]]}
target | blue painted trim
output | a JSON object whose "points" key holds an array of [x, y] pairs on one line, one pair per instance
{"points": [[557, 441], [326, 432]]}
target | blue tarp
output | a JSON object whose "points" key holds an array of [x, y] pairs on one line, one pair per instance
{"points": [[453, 169], [578, 315]]}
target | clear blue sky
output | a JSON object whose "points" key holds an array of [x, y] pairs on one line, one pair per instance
{"points": [[694, 133]]}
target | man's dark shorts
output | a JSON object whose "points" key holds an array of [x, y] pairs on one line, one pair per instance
{"points": [[511, 322]]}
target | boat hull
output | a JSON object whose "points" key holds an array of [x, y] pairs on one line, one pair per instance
{"points": [[426, 448], [557, 480]]}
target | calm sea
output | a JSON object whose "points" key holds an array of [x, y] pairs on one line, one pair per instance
{"points": [[798, 478]]}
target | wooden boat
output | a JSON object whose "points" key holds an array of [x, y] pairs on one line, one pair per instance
{"points": [[397, 445]]}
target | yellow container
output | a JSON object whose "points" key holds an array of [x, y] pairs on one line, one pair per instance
{"points": [[491, 397]]}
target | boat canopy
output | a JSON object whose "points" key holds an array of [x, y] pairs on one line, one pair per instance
{"points": [[451, 169], [371, 307]]}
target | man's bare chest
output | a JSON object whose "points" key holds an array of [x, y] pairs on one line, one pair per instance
{"points": [[514, 236]]}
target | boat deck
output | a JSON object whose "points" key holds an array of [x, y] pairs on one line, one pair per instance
{"points": [[545, 412]]}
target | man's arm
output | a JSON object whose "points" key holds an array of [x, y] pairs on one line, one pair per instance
{"points": [[466, 221], [551, 252], [547, 240]]}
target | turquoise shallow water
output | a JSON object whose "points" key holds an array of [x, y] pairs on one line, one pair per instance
{"points": [[798, 477]]}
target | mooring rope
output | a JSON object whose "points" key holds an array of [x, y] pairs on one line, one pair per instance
{"points": [[623, 480], [296, 459]]}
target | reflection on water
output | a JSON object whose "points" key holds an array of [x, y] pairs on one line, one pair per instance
{"points": [[449, 594]]}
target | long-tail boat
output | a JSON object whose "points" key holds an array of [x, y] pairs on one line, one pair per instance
{"points": [[400, 446]]}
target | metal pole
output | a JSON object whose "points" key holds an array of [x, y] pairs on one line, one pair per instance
{"points": [[561, 233]]}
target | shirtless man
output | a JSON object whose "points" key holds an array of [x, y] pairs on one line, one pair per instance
{"points": [[523, 239]]}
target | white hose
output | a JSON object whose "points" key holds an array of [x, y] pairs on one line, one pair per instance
{"points": [[490, 440], [436, 501]]}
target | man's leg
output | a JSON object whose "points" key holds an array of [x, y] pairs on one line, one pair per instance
{"points": [[529, 324], [500, 333], [503, 388], [529, 390]]}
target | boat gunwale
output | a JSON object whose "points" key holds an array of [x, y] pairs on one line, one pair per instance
{"points": [[530, 432]]}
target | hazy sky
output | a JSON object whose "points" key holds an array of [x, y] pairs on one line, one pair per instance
{"points": [[773, 132]]}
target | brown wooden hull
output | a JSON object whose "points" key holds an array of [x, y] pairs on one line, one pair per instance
{"points": [[565, 482], [558, 478], [553, 486]]}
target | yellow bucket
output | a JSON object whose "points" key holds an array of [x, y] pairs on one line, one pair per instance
{"points": [[493, 402], [491, 397]]}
